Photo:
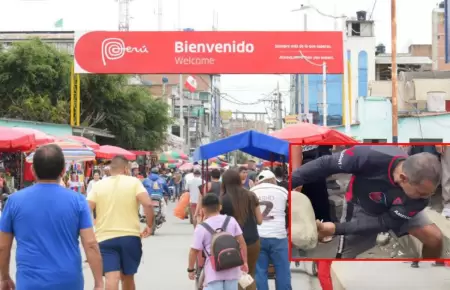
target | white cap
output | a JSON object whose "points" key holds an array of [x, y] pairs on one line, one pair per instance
{"points": [[134, 165], [264, 175]]}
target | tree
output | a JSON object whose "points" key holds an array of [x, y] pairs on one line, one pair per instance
{"points": [[35, 85]]}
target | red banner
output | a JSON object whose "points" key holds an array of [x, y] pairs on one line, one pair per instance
{"points": [[208, 52]]}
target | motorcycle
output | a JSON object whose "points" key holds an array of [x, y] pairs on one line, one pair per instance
{"points": [[157, 208], [158, 219]]}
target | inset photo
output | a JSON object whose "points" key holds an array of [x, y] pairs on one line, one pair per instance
{"points": [[374, 201]]}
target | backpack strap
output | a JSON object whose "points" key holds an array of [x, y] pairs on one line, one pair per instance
{"points": [[208, 228], [225, 223]]}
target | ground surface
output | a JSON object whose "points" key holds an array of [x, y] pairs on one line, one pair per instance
{"points": [[164, 262]]}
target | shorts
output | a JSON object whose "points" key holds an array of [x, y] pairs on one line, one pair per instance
{"points": [[121, 254], [350, 246]]}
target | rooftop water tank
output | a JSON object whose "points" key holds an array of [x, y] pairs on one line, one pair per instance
{"points": [[361, 15], [380, 49], [436, 101]]}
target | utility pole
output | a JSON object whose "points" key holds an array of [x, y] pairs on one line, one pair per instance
{"points": [[180, 83], [279, 108], [189, 124], [394, 71], [305, 76]]}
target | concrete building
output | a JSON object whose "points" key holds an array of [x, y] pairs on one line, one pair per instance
{"points": [[438, 39], [375, 123], [63, 40], [360, 46]]}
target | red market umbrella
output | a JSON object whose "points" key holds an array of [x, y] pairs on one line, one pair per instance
{"points": [[109, 152], [41, 137], [83, 140], [307, 133], [14, 140]]}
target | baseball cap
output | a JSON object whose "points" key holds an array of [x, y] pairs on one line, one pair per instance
{"points": [[155, 170], [264, 175], [134, 165]]}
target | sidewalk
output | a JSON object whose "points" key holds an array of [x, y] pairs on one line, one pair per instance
{"points": [[389, 275]]}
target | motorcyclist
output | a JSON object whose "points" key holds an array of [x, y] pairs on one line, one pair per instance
{"points": [[156, 185]]}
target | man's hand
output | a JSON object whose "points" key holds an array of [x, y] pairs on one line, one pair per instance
{"points": [[326, 229], [147, 232], [7, 284], [191, 275]]}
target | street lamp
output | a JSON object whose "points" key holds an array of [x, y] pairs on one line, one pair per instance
{"points": [[347, 117]]}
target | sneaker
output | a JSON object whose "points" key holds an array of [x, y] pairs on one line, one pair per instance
{"points": [[446, 212], [415, 265]]}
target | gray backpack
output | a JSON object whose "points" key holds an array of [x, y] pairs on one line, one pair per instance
{"points": [[225, 252]]}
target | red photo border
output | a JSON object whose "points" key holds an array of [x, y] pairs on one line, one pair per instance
{"points": [[348, 260]]}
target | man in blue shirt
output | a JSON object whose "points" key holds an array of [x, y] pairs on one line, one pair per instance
{"points": [[47, 220]]}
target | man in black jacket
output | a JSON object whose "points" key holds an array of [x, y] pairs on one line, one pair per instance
{"points": [[388, 191]]}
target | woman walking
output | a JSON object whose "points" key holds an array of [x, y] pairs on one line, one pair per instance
{"points": [[243, 205]]}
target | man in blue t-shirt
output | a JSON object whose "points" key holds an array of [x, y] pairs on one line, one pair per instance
{"points": [[47, 220]]}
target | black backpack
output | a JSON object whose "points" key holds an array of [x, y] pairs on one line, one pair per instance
{"points": [[225, 252]]}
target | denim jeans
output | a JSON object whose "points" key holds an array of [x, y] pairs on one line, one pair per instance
{"points": [[274, 251], [222, 285]]}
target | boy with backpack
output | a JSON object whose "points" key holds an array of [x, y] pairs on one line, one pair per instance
{"points": [[220, 238]]}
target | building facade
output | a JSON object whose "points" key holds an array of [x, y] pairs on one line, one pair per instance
{"points": [[412, 127], [360, 45], [438, 39]]}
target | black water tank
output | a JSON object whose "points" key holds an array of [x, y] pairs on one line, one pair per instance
{"points": [[361, 15], [380, 49], [442, 4]]}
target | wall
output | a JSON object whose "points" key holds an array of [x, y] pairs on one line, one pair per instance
{"points": [[58, 130], [376, 125], [362, 59], [361, 53], [384, 89], [420, 50], [438, 41]]}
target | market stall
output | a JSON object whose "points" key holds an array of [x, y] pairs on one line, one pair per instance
{"points": [[40, 137], [13, 145], [109, 152], [307, 133]]}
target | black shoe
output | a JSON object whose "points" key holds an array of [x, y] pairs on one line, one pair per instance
{"points": [[438, 264], [415, 265]]}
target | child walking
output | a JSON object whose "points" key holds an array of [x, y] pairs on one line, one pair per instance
{"points": [[217, 235]]}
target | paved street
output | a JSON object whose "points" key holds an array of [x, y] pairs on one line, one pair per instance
{"points": [[165, 257], [165, 260]]}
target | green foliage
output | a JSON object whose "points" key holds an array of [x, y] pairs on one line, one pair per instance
{"points": [[35, 85]]}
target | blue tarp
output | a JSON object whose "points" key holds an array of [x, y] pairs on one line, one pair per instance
{"points": [[251, 142]]}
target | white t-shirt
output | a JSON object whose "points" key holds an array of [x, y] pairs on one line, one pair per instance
{"points": [[193, 188], [273, 202]]}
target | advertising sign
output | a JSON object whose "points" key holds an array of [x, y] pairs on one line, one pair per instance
{"points": [[208, 52]]}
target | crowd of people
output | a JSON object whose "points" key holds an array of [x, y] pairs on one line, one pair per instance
{"points": [[257, 201], [112, 242]]}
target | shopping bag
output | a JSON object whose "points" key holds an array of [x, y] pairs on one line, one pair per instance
{"points": [[180, 209], [303, 222]]}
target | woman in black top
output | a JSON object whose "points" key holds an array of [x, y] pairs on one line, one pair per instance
{"points": [[243, 205]]}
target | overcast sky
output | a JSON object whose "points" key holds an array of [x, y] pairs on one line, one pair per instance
{"points": [[413, 18]]}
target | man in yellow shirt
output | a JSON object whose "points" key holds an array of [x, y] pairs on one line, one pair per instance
{"points": [[116, 201]]}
